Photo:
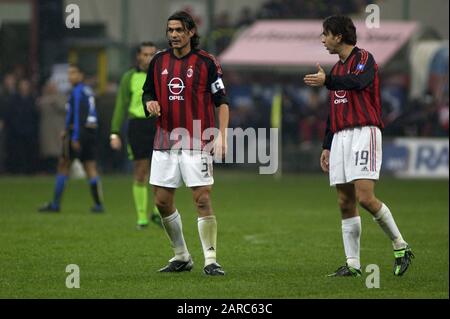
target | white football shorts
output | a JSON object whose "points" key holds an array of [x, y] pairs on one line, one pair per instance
{"points": [[173, 167], [356, 153]]}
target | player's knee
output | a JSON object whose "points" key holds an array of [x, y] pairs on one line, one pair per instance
{"points": [[140, 178], [365, 199], [346, 205], [203, 200], [141, 174], [165, 206], [63, 166]]}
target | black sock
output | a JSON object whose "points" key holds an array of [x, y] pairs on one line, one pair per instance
{"points": [[96, 190]]}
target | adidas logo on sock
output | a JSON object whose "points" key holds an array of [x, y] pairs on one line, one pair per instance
{"points": [[211, 249]]}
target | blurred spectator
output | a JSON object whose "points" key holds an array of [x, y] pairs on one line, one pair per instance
{"points": [[222, 21], [21, 118], [291, 117], [313, 119], [433, 119], [52, 108], [109, 160], [273, 9], [223, 32], [444, 117], [9, 85], [310, 9], [443, 113], [245, 18], [436, 106], [430, 120], [394, 93], [7, 92], [19, 71], [2, 125], [414, 120], [359, 6], [438, 78], [241, 100]]}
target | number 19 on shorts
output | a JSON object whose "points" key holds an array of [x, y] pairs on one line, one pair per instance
{"points": [[361, 158]]}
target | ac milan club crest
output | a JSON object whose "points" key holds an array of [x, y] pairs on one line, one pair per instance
{"points": [[190, 72]]}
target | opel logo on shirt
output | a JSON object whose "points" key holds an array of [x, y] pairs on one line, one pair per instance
{"points": [[176, 87], [340, 97], [340, 94]]}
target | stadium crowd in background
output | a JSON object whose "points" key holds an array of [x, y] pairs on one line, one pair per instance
{"points": [[250, 98], [20, 118], [52, 107], [224, 28]]}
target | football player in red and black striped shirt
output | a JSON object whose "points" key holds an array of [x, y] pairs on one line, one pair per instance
{"points": [[352, 146], [183, 89]]}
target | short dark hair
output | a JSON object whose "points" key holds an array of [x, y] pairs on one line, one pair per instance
{"points": [[145, 44], [342, 25], [189, 24]]}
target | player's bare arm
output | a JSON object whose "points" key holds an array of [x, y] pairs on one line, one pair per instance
{"points": [[220, 146]]}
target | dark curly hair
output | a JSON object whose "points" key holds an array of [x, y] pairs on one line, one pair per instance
{"points": [[189, 24], [341, 25]]}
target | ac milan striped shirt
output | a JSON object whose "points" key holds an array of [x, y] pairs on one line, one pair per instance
{"points": [[187, 89], [354, 94]]}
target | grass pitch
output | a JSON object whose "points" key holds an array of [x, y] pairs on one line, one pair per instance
{"points": [[276, 239]]}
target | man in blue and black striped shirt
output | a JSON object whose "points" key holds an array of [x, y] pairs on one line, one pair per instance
{"points": [[79, 141]]}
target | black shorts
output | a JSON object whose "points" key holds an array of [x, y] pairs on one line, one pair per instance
{"points": [[88, 142], [141, 133]]}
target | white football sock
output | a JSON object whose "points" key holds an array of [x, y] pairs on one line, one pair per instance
{"points": [[174, 229], [386, 221], [207, 229], [351, 233]]}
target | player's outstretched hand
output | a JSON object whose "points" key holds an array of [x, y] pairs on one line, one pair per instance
{"points": [[153, 108], [316, 79], [325, 160]]}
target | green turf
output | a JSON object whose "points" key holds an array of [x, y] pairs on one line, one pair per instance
{"points": [[277, 239]]}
